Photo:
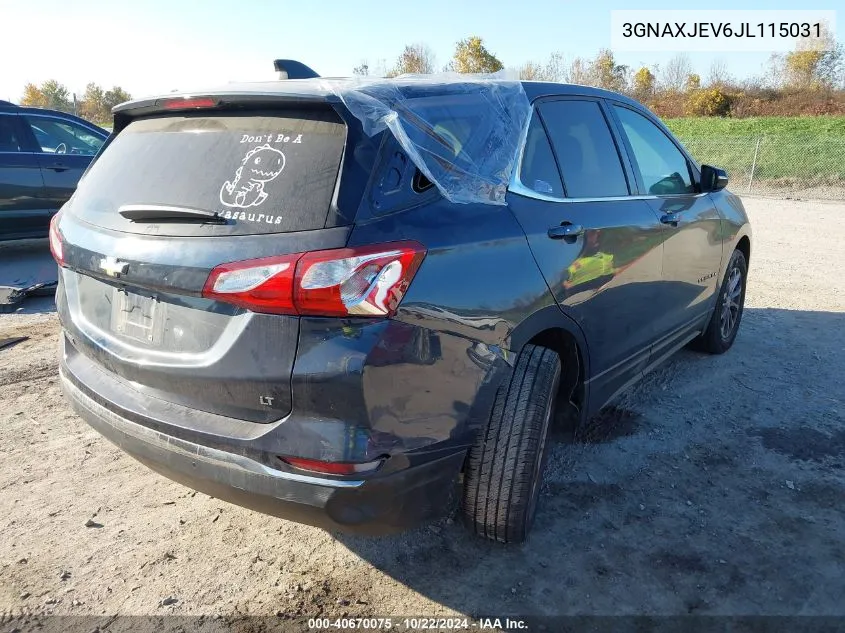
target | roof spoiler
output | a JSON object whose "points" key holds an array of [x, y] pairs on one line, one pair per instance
{"points": [[292, 69]]}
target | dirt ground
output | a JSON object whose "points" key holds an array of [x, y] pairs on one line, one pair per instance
{"points": [[715, 487]]}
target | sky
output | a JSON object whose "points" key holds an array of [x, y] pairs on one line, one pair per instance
{"points": [[157, 46]]}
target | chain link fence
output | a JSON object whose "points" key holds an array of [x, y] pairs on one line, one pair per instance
{"points": [[788, 166]]}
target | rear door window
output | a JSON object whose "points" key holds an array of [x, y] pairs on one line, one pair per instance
{"points": [[263, 172], [585, 150], [9, 135]]}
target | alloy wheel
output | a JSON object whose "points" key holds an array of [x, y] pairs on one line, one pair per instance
{"points": [[731, 303]]}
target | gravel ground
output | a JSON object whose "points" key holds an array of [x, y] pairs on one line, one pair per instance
{"points": [[715, 487]]}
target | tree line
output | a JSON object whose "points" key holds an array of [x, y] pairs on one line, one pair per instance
{"points": [[95, 104], [470, 56], [808, 80]]}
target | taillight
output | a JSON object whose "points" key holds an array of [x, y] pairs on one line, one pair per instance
{"points": [[56, 241], [260, 285], [362, 281], [331, 468], [367, 281]]}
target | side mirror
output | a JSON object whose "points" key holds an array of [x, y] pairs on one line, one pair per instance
{"points": [[713, 178]]}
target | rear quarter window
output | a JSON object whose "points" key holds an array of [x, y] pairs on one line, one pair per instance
{"points": [[263, 172]]}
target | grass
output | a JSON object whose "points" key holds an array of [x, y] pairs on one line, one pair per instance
{"points": [[754, 126], [794, 151]]}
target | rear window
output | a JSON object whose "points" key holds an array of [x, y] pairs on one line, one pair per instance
{"points": [[263, 172]]}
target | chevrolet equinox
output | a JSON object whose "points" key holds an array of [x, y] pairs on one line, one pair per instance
{"points": [[269, 298]]}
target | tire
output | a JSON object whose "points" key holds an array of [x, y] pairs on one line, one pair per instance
{"points": [[505, 465], [724, 322]]}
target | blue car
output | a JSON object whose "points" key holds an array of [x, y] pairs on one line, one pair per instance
{"points": [[43, 153], [351, 303]]}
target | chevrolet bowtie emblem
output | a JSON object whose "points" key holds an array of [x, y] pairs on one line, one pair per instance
{"points": [[113, 267]]}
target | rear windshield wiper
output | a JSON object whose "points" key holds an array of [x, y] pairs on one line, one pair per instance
{"points": [[161, 213]]}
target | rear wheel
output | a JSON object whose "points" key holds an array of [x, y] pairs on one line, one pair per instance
{"points": [[505, 466], [724, 323]]}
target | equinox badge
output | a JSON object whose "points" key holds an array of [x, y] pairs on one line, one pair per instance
{"points": [[113, 267]]}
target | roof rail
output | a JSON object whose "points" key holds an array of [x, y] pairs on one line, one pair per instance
{"points": [[7, 104], [292, 69]]}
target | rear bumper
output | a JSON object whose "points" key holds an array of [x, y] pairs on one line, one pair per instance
{"points": [[379, 504]]}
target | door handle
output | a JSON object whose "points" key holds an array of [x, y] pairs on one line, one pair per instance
{"points": [[566, 230], [57, 167], [671, 218]]}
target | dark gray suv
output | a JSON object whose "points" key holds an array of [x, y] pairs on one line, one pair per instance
{"points": [[353, 304]]}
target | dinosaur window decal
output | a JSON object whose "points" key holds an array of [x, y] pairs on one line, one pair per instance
{"points": [[206, 161], [260, 165]]}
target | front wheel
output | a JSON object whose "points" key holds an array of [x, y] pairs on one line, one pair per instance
{"points": [[724, 323], [506, 463]]}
